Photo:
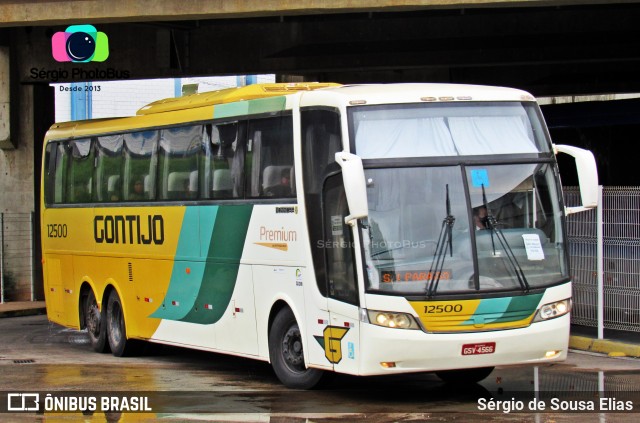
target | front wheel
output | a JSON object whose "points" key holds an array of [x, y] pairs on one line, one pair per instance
{"points": [[94, 321], [116, 328], [287, 357], [464, 375]]}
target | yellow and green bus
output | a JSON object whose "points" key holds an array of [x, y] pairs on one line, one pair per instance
{"points": [[366, 229]]}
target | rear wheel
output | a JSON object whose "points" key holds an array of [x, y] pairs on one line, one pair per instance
{"points": [[465, 375], [95, 322], [287, 356], [116, 328]]}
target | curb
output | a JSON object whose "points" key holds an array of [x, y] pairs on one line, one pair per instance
{"points": [[24, 312], [604, 346]]}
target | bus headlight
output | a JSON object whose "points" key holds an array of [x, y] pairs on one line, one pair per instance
{"points": [[553, 310], [392, 320]]}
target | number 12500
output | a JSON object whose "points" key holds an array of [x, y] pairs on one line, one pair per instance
{"points": [[448, 308], [57, 230]]}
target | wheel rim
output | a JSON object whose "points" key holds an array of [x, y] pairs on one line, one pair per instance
{"points": [[115, 323], [292, 349], [92, 317]]}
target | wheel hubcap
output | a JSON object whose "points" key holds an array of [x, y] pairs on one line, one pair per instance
{"points": [[93, 319], [115, 324], [292, 349]]}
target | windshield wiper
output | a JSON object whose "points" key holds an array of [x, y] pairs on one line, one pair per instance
{"points": [[492, 225], [444, 240]]}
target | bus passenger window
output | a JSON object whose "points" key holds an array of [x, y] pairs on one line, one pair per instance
{"points": [[178, 156], [224, 162], [269, 174], [80, 171], [109, 168], [56, 180], [139, 165]]}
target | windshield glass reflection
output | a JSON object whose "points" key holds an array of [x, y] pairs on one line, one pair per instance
{"points": [[424, 236]]}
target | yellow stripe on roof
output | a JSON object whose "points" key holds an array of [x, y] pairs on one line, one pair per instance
{"points": [[230, 95], [195, 107]]}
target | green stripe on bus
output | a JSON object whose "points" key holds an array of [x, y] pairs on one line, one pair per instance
{"points": [[503, 310], [520, 308], [180, 297], [489, 308], [251, 107], [222, 265], [203, 294]]}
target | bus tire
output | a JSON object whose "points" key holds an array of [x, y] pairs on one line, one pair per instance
{"points": [[94, 320], [116, 328], [464, 375], [287, 356]]}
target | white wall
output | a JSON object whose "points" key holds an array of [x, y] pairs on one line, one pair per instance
{"points": [[124, 98]]}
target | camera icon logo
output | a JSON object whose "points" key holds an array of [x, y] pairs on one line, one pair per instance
{"points": [[80, 43]]}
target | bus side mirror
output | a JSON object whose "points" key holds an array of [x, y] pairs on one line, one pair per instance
{"points": [[355, 186], [587, 176]]}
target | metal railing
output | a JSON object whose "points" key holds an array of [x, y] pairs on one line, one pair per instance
{"points": [[620, 260], [17, 248]]}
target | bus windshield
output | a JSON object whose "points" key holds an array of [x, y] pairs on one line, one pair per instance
{"points": [[424, 235], [458, 228]]}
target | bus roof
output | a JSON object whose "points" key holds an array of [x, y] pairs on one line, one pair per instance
{"points": [[189, 108], [197, 107], [351, 95], [230, 95]]}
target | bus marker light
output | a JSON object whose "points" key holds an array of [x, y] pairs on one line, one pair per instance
{"points": [[188, 270], [208, 306], [175, 303], [68, 291], [349, 325], [357, 102], [446, 98], [388, 364], [428, 98], [239, 310], [551, 354], [148, 300], [323, 322]]}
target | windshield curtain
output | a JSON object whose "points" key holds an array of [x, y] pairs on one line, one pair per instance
{"points": [[427, 235], [447, 129]]}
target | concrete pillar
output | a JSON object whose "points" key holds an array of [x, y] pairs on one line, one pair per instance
{"points": [[17, 169], [5, 81]]}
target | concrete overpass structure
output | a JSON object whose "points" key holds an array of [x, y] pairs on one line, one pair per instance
{"points": [[546, 47], [564, 47]]}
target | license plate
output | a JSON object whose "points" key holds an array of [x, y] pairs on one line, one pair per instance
{"points": [[474, 349]]}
